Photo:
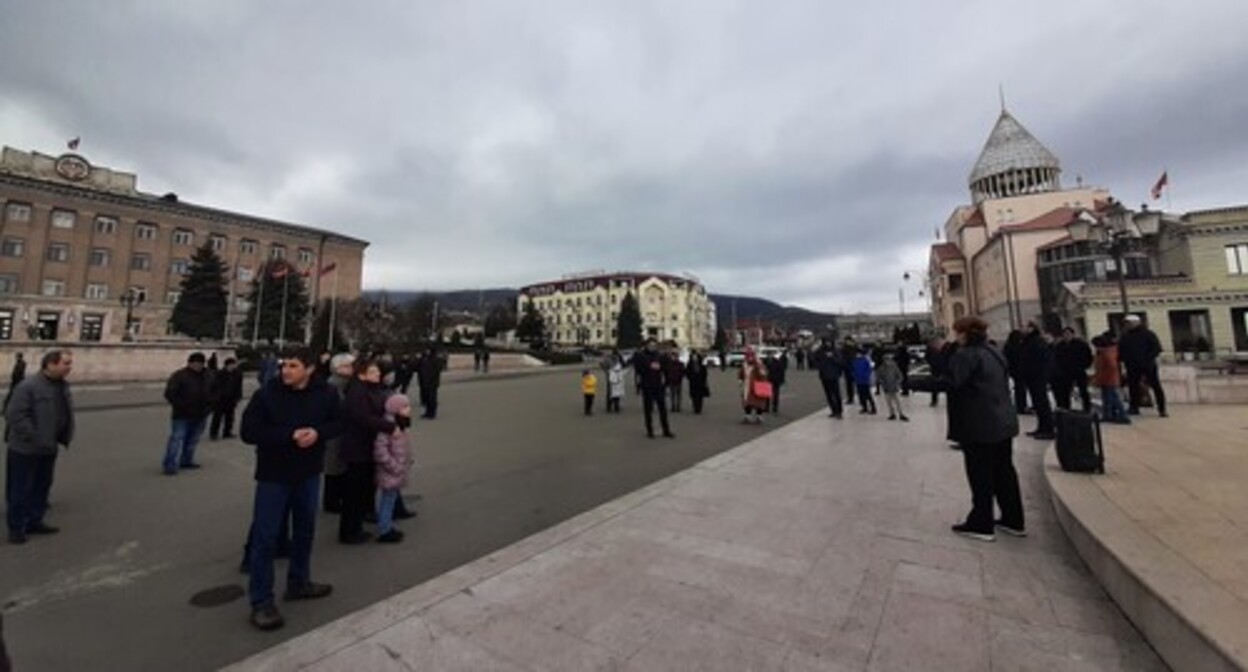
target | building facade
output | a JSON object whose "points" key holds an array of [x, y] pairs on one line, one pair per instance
{"points": [[584, 309], [76, 238]]}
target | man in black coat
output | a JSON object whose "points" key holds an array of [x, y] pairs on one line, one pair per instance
{"points": [[1072, 357], [190, 401], [777, 366], [1036, 367], [227, 391], [849, 352], [827, 360], [1138, 350], [429, 374], [1013, 352], [648, 364], [937, 359], [902, 358]]}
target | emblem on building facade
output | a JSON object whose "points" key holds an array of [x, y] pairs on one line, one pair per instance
{"points": [[72, 167]]}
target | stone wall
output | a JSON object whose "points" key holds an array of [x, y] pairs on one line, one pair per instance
{"points": [[110, 362]]}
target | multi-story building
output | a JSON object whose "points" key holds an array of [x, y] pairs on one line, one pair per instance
{"points": [[76, 238], [584, 309], [986, 265]]}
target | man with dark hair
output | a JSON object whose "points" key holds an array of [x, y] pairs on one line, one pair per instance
{"points": [[1072, 357], [40, 417], [1139, 347], [1036, 362], [190, 402], [227, 391], [648, 364], [288, 421], [827, 360]]}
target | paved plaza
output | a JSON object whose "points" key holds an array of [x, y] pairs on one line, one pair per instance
{"points": [[822, 546], [509, 456]]}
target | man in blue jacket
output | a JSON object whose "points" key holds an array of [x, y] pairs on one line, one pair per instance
{"points": [[288, 421]]}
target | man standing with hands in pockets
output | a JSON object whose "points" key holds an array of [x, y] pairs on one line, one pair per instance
{"points": [[288, 421]]}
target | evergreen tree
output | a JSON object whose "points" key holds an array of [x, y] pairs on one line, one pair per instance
{"points": [[500, 318], [532, 327], [628, 328], [275, 278], [202, 304]]}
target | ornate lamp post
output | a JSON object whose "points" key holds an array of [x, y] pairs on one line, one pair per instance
{"points": [[130, 299], [1116, 233]]}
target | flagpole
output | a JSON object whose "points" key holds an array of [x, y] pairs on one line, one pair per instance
{"points": [[281, 330], [255, 330], [333, 309]]}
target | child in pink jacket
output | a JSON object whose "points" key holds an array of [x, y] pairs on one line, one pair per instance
{"points": [[393, 457]]}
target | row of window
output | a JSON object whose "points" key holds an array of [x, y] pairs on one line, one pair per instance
{"points": [[105, 225], [583, 335], [1237, 259], [102, 256]]}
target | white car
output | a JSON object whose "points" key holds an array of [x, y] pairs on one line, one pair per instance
{"points": [[711, 360], [735, 358]]}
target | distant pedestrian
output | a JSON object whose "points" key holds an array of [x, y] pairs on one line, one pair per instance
{"points": [[937, 358], [429, 370], [699, 385], [214, 364], [1013, 352], [723, 359], [288, 421], [984, 422], [615, 386], [363, 418], [392, 453], [16, 376], [476, 360], [648, 365], [403, 373], [485, 360], [1109, 379], [674, 376], [849, 355], [756, 390], [891, 382], [189, 402], [902, 358], [589, 389], [777, 372], [1072, 357], [863, 371], [827, 360], [1138, 348], [268, 369], [39, 418], [801, 359], [1036, 362], [227, 391], [342, 367]]}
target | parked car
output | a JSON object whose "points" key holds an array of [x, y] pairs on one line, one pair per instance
{"points": [[711, 359], [736, 357]]}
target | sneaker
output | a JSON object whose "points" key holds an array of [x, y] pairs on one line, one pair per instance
{"points": [[1010, 530], [356, 539], [308, 591], [267, 618], [391, 537], [42, 528], [966, 531]]}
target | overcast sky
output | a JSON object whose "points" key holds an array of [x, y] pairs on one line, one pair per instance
{"points": [[800, 150]]}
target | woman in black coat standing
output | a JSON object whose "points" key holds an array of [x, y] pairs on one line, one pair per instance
{"points": [[363, 418], [699, 387], [984, 422]]}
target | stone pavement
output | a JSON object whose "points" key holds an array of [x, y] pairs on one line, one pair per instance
{"points": [[1167, 530], [821, 546]]}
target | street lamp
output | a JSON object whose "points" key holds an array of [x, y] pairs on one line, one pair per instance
{"points": [[1116, 233], [130, 299]]}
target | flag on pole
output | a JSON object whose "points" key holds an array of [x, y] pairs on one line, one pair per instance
{"points": [[328, 268], [1162, 183], [73, 144]]}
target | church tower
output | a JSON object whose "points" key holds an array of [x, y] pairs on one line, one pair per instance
{"points": [[1013, 163]]}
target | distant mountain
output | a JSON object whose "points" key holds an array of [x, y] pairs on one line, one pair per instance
{"points": [[747, 307]]}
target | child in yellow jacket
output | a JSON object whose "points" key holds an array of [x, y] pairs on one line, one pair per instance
{"points": [[589, 388]]}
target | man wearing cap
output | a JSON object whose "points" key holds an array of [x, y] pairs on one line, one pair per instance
{"points": [[1138, 348], [189, 399]]}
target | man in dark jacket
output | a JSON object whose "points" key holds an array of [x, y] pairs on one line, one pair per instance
{"points": [[189, 400], [1072, 357], [984, 423], [674, 377], [429, 372], [1036, 367], [648, 364], [777, 366], [849, 352], [1013, 352], [40, 417], [827, 360], [938, 365], [227, 391], [288, 421], [363, 418], [903, 362], [1138, 349]]}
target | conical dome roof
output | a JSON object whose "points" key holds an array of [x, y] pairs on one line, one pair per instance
{"points": [[1011, 147]]}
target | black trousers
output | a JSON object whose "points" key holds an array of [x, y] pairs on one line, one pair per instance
{"points": [[613, 404], [1020, 394], [675, 392], [28, 480], [1063, 391], [697, 403], [849, 388], [650, 398], [1148, 375], [990, 473], [332, 495], [775, 397], [222, 420], [589, 404], [358, 492], [1038, 390], [866, 399], [832, 391], [429, 399]]}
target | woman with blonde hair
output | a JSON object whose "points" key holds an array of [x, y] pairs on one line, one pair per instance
{"points": [[755, 389]]}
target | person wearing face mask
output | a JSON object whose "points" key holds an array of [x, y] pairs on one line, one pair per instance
{"points": [[364, 417]]}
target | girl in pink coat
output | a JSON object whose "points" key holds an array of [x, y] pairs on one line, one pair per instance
{"points": [[392, 455]]}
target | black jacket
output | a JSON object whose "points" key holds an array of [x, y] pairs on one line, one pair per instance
{"points": [[363, 418], [1138, 348], [189, 394], [227, 387], [980, 407], [1072, 358], [1035, 358], [649, 366], [776, 368], [269, 423], [696, 373], [829, 363], [429, 370]]}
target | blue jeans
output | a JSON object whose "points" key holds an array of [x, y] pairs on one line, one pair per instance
{"points": [[273, 502], [1111, 405], [385, 510], [27, 483], [183, 437]]}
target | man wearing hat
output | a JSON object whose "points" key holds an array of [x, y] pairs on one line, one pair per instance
{"points": [[188, 396], [1138, 348]]}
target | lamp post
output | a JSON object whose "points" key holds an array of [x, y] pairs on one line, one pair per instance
{"points": [[130, 299], [1117, 233]]}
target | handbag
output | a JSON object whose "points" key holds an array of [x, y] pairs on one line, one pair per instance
{"points": [[761, 389]]}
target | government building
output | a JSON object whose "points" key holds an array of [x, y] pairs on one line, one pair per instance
{"points": [[77, 239], [583, 309]]}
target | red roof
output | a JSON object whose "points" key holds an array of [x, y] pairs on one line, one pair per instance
{"points": [[1054, 219], [946, 252], [1064, 240], [976, 218]]}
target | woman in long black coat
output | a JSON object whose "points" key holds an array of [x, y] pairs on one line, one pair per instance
{"points": [[363, 411], [982, 420], [699, 388]]}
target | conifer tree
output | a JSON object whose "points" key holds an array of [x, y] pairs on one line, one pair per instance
{"points": [[201, 308], [628, 327]]}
